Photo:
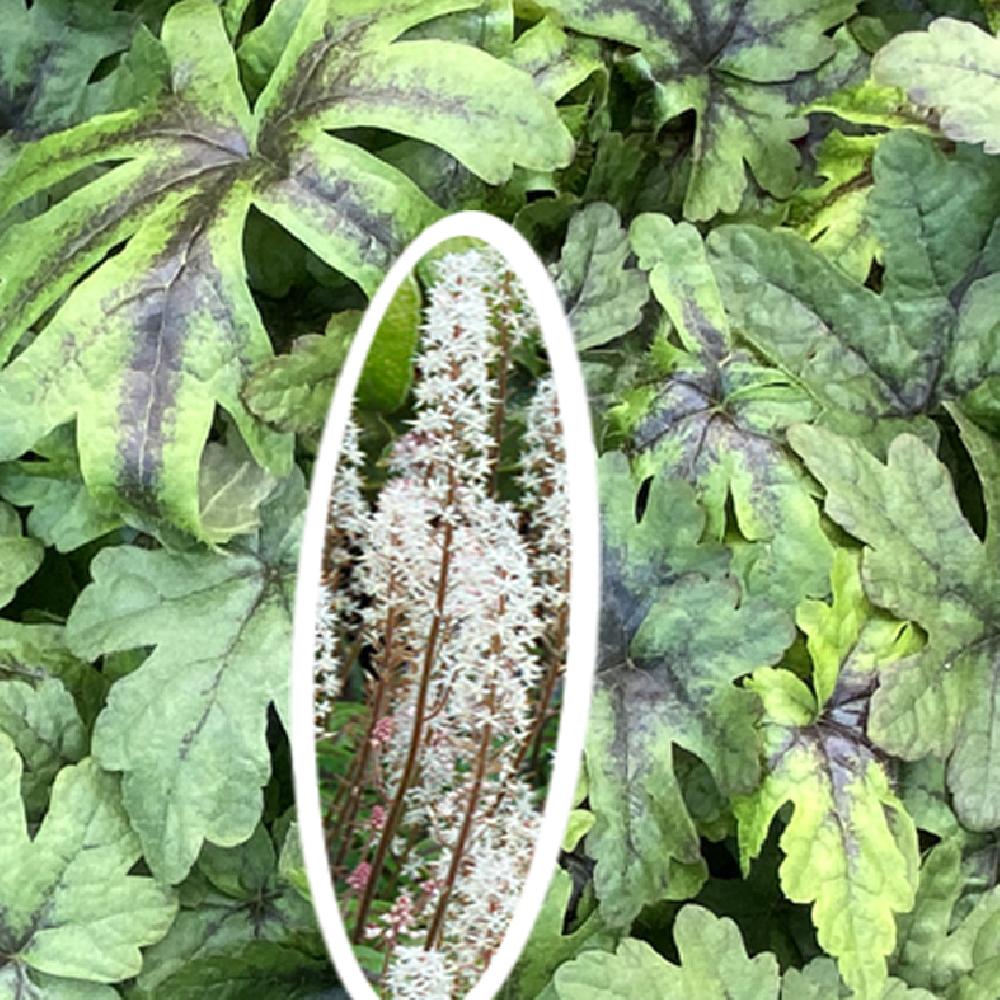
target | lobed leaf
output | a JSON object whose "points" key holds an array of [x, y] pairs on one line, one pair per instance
{"points": [[187, 727], [926, 564], [713, 966], [70, 914], [153, 339], [736, 65]]}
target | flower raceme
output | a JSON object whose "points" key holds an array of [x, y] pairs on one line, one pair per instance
{"points": [[452, 581]]}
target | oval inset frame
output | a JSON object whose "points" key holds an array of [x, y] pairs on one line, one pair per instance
{"points": [[583, 608]]}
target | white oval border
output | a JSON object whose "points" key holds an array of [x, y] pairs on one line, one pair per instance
{"points": [[581, 464]]}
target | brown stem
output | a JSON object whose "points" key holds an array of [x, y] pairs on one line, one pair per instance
{"points": [[349, 810], [416, 734], [437, 921]]}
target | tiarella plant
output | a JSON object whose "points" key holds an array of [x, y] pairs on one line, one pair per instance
{"points": [[443, 616], [773, 224]]}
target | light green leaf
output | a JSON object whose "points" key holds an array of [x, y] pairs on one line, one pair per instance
{"points": [[577, 827], [292, 391], [714, 966], [953, 67], [33, 653], [19, 556], [388, 369], [549, 946], [43, 723], [557, 60], [231, 488], [68, 906], [737, 67], [924, 563], [957, 959], [63, 514], [833, 215], [601, 295], [850, 848], [187, 727], [819, 980]]}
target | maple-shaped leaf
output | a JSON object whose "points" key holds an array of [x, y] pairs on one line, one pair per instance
{"points": [[71, 917], [188, 726], [147, 345], [925, 563], [717, 419], [954, 68], [951, 955], [850, 847], [713, 966], [233, 896], [673, 639], [929, 336], [736, 65]]}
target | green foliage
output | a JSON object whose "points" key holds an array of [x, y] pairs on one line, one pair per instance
{"points": [[953, 67], [775, 227], [70, 916]]}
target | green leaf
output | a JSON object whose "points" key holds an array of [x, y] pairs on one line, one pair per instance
{"points": [[672, 643], [70, 914], [819, 980], [148, 344], [714, 966], [187, 727], [848, 640], [264, 969], [937, 219], [549, 945], [953, 67], [33, 653], [601, 295], [19, 556], [577, 827], [244, 898], [231, 488], [737, 67], [292, 391], [63, 514], [957, 958], [833, 215], [45, 727], [716, 421], [388, 369], [50, 51], [924, 563], [850, 848], [557, 60]]}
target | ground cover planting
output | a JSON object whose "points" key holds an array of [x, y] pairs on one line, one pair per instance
{"points": [[774, 228]]}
